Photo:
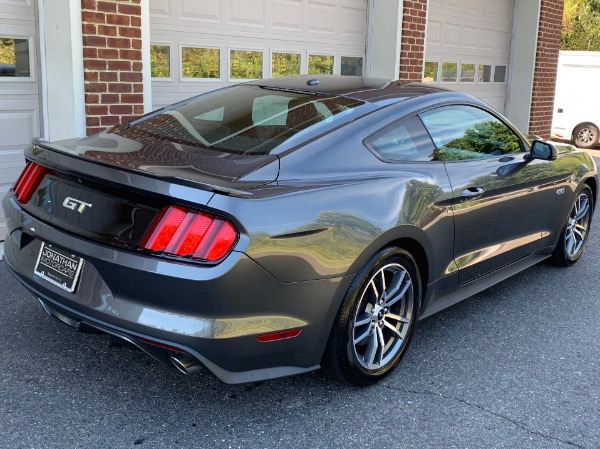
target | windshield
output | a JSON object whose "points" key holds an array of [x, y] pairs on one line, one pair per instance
{"points": [[249, 119]]}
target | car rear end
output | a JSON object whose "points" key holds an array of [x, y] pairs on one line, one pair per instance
{"points": [[116, 234]]}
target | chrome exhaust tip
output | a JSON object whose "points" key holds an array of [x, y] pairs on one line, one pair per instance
{"points": [[185, 364]]}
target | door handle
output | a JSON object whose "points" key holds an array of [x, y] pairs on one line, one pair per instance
{"points": [[472, 192]]}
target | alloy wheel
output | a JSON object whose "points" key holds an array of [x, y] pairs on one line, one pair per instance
{"points": [[383, 317], [577, 225]]}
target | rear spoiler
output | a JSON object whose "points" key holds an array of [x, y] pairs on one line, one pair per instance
{"points": [[53, 156]]}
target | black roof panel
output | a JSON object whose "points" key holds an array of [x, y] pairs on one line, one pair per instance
{"points": [[367, 89]]}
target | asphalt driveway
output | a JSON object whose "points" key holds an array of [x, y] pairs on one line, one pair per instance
{"points": [[517, 366]]}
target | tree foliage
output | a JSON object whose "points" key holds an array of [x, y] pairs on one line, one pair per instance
{"points": [[581, 25], [481, 139], [7, 51]]}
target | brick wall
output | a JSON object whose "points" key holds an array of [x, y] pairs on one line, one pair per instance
{"points": [[112, 62], [412, 49], [546, 64]]}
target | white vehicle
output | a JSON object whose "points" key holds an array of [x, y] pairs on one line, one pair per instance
{"points": [[577, 100]]}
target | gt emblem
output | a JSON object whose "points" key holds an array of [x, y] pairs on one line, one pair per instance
{"points": [[73, 204], [560, 191]]}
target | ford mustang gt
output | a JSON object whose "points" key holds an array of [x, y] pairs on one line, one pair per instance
{"points": [[279, 226]]}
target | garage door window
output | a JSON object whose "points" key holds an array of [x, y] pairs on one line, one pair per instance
{"points": [[245, 64], [484, 75], [430, 74], [320, 64], [285, 64], [352, 66], [467, 73], [449, 72], [500, 74], [200, 62], [160, 61], [14, 57]]}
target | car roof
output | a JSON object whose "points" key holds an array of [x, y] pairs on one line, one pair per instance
{"points": [[373, 90]]}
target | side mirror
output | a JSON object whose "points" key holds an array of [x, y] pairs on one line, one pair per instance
{"points": [[541, 149]]}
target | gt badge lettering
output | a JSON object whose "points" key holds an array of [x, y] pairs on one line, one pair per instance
{"points": [[560, 191], [73, 204]]}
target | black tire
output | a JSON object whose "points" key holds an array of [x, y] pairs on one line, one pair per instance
{"points": [[367, 316], [574, 234], [586, 135]]}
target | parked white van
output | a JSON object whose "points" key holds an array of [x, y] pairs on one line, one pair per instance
{"points": [[577, 99]]}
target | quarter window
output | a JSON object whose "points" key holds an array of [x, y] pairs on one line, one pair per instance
{"points": [[466, 132], [403, 141]]}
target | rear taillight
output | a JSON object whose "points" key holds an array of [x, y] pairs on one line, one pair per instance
{"points": [[29, 181], [179, 231]]}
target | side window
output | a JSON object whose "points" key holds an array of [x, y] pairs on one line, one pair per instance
{"points": [[403, 141], [466, 132]]}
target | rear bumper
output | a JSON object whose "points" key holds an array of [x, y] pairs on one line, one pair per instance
{"points": [[213, 314]]}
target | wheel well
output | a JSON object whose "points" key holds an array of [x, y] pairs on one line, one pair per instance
{"points": [[418, 252], [581, 124], [591, 183]]}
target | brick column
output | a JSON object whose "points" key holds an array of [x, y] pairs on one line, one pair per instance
{"points": [[546, 65], [112, 62], [412, 50]]}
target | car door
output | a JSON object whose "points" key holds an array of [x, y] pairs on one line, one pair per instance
{"points": [[503, 203]]}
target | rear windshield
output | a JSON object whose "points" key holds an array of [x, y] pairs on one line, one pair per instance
{"points": [[250, 119]]}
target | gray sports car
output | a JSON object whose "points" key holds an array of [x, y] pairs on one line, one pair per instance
{"points": [[279, 226]]}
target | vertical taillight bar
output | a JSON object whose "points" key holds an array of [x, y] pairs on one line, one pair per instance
{"points": [[29, 181]]}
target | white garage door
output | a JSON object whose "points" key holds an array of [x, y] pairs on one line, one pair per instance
{"points": [[201, 45], [19, 99], [467, 47]]}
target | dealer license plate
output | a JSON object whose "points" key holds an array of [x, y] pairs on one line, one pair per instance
{"points": [[58, 267]]}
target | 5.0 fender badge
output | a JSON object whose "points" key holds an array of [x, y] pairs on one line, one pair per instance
{"points": [[73, 204], [560, 191]]}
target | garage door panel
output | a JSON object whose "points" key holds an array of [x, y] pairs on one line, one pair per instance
{"points": [[16, 9], [160, 8], [17, 128], [201, 10], [247, 13], [353, 22], [287, 15], [467, 32], [306, 27], [321, 18], [451, 35], [19, 95]]}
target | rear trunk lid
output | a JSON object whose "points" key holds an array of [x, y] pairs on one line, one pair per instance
{"points": [[111, 186]]}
